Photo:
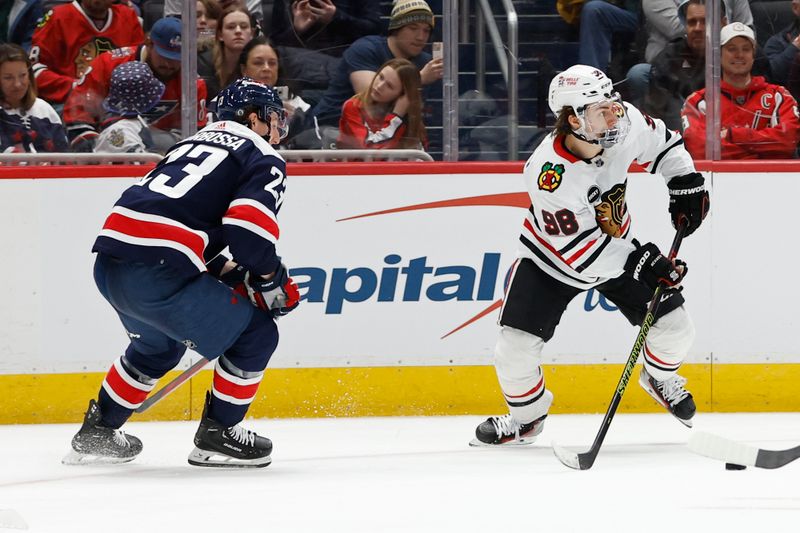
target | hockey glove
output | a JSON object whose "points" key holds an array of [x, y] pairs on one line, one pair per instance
{"points": [[646, 265], [688, 198], [278, 295]]}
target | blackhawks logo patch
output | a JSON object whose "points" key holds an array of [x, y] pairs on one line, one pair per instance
{"points": [[550, 177]]}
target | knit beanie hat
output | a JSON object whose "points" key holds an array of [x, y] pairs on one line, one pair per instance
{"points": [[407, 12]]}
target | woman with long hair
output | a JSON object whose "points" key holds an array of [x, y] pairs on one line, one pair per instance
{"points": [[260, 61], [388, 113], [27, 123], [235, 28]]}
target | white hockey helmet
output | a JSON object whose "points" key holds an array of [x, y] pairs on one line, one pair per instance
{"points": [[590, 93], [577, 87]]}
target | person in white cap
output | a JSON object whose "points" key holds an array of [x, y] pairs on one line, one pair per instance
{"points": [[758, 120]]}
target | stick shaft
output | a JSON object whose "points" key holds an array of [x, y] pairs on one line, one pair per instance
{"points": [[185, 376], [587, 459]]}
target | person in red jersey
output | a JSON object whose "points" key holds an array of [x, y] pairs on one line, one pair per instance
{"points": [[388, 113], [758, 120], [69, 36], [161, 51]]}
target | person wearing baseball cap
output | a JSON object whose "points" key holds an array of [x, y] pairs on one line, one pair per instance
{"points": [[161, 52], [758, 120], [166, 38]]}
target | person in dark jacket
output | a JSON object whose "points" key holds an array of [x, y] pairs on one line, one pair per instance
{"points": [[18, 19], [783, 51]]}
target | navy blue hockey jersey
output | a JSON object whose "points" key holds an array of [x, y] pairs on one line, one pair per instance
{"points": [[222, 187]]}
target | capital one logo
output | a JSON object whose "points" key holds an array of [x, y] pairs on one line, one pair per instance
{"points": [[411, 280]]}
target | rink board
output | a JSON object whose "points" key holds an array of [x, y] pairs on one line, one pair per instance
{"points": [[402, 267]]}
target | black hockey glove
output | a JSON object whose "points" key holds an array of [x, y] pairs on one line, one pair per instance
{"points": [[278, 295], [688, 198], [647, 265]]}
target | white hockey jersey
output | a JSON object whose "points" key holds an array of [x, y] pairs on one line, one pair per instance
{"points": [[577, 228]]}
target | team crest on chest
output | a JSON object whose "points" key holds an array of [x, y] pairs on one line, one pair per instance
{"points": [[550, 177]]}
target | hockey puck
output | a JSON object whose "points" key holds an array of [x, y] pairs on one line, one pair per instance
{"points": [[734, 466]]}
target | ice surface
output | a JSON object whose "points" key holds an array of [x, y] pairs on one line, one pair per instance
{"points": [[410, 475]]}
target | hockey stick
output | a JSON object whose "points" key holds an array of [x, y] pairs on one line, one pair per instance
{"points": [[185, 376], [733, 452], [584, 461]]}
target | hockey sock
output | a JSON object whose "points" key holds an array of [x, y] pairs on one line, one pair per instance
{"points": [[232, 391], [123, 390]]}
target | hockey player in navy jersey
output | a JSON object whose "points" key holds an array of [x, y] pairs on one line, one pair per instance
{"points": [[158, 265], [577, 235]]}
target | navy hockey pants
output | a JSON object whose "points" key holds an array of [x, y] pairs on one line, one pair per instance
{"points": [[164, 312]]}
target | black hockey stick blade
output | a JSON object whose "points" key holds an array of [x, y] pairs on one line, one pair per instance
{"points": [[185, 376], [730, 451], [584, 461]]}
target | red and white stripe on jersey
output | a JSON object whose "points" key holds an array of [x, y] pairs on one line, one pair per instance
{"points": [[142, 229], [570, 260], [661, 363], [253, 216], [125, 389], [233, 389], [528, 397]]}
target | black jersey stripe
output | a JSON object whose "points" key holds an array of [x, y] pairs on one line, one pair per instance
{"points": [[533, 216], [663, 367], [546, 260], [663, 153], [591, 259], [580, 238]]}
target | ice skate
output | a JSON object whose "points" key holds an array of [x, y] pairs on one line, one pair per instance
{"points": [[507, 431], [670, 394], [220, 446], [96, 444]]}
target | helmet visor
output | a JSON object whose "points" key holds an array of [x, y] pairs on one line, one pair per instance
{"points": [[606, 121]]}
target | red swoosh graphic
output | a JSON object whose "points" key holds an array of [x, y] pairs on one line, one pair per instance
{"points": [[509, 199], [494, 306]]}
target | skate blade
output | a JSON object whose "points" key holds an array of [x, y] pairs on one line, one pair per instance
{"points": [[74, 458], [200, 457], [523, 441], [653, 395]]}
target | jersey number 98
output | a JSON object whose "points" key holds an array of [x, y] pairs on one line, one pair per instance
{"points": [[562, 222]]}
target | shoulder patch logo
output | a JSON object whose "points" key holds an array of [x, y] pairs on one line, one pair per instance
{"points": [[44, 19], [550, 177]]}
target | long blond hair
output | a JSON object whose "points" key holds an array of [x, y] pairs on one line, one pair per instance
{"points": [[412, 83]]}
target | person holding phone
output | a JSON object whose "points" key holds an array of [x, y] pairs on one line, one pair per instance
{"points": [[326, 26], [410, 28], [388, 113]]}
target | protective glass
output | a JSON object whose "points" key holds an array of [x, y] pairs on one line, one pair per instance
{"points": [[606, 122]]}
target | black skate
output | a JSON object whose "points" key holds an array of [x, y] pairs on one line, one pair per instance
{"points": [[507, 431], [217, 445], [96, 444], [671, 395]]}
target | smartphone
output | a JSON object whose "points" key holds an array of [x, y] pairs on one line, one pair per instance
{"points": [[283, 92], [438, 50]]}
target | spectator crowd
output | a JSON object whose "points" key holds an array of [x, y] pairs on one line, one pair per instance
{"points": [[89, 75]]}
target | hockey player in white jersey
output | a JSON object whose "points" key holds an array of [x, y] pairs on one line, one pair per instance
{"points": [[577, 235]]}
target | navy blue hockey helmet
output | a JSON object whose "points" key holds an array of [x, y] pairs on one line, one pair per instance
{"points": [[234, 101]]}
